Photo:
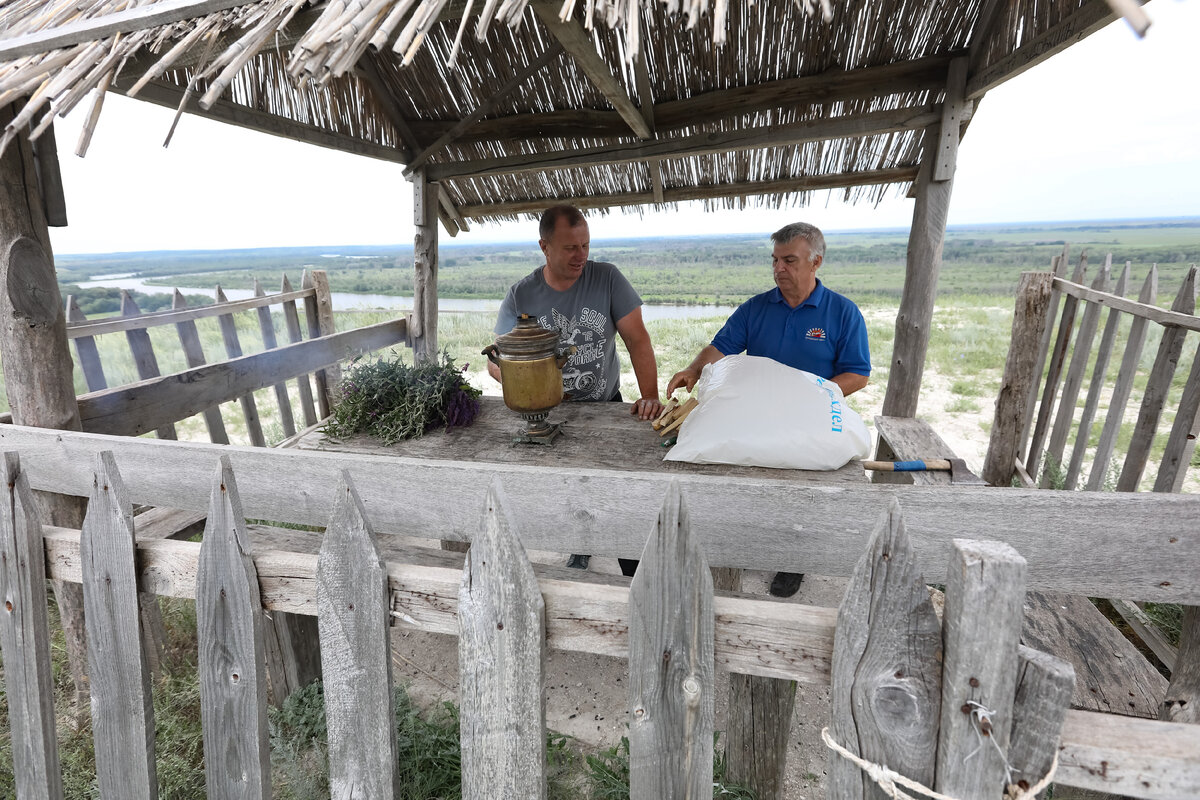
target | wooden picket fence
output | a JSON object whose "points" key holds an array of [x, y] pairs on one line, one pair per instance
{"points": [[1037, 418], [960, 707]]}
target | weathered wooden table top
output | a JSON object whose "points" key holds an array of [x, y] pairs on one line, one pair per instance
{"points": [[595, 436]]}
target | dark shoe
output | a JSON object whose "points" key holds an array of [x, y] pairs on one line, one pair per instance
{"points": [[785, 584], [578, 562]]}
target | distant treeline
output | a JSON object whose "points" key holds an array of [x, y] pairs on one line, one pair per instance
{"points": [[104, 300]]}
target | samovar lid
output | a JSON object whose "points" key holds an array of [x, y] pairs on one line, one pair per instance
{"points": [[527, 338]]}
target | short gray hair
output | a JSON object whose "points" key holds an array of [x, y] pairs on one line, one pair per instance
{"points": [[802, 230]]}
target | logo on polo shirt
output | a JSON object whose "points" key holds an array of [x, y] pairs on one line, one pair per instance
{"points": [[815, 335]]}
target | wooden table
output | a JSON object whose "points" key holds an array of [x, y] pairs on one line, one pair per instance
{"points": [[595, 436]]}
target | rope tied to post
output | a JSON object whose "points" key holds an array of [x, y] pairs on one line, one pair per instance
{"points": [[890, 781]]}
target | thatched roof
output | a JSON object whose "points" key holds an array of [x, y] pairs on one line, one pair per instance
{"points": [[726, 101]]}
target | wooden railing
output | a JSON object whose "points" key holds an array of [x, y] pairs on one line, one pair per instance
{"points": [[1037, 418], [890, 666], [158, 401]]}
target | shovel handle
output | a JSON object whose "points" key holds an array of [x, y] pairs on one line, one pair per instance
{"points": [[931, 464]]}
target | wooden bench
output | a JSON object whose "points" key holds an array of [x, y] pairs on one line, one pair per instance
{"points": [[1111, 675]]}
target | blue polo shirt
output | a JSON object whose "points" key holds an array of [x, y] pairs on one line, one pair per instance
{"points": [[825, 335]]}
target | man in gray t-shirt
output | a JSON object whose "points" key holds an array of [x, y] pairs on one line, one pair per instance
{"points": [[589, 303]]}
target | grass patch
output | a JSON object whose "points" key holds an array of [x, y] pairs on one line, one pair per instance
{"points": [[608, 775], [962, 405]]}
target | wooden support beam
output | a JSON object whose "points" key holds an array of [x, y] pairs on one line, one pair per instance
{"points": [[953, 108], [803, 184], [537, 65], [54, 201], [97, 28], [645, 92], [850, 126], [425, 262], [578, 42], [1090, 18]]}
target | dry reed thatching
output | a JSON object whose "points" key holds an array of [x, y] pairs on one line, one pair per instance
{"points": [[303, 64]]}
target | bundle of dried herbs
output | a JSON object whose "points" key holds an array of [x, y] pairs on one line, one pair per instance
{"points": [[394, 400]]}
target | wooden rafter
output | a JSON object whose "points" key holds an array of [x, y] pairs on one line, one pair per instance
{"points": [[578, 42], [536, 66], [983, 30], [850, 126], [804, 184], [1083, 23], [97, 28], [646, 95]]}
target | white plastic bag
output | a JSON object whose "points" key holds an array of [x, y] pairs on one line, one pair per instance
{"points": [[755, 411]]}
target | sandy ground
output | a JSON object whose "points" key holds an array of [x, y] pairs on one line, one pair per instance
{"points": [[586, 695]]}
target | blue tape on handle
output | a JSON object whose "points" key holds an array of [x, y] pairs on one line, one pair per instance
{"points": [[909, 466]]}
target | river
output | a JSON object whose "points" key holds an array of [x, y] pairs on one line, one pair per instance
{"points": [[350, 301]]}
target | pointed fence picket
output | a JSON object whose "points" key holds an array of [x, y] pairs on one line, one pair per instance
{"points": [[954, 726]]}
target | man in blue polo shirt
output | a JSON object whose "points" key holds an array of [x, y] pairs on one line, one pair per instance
{"points": [[799, 323]]}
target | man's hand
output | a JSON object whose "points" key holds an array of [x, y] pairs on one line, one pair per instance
{"points": [[685, 377], [646, 408]]}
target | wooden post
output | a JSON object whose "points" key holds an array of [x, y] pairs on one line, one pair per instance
{"points": [[34, 351], [266, 327], [985, 587], [1158, 384], [1058, 268], [887, 694], [671, 663], [353, 615], [1099, 371], [1029, 321], [233, 687], [425, 254], [122, 708], [1045, 684], [85, 350], [142, 350], [501, 660], [1182, 701], [318, 312], [193, 353], [1124, 385], [292, 318], [233, 349], [25, 639]]}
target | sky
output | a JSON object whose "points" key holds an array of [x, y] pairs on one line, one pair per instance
{"points": [[1108, 129]]}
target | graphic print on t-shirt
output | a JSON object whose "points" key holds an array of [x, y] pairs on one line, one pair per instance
{"points": [[583, 376]]}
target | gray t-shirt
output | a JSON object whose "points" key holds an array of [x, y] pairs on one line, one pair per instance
{"points": [[585, 316]]}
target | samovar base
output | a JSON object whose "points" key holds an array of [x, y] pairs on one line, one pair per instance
{"points": [[537, 429]]}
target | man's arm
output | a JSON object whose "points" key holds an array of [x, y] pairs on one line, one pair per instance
{"points": [[850, 382], [645, 367], [688, 376]]}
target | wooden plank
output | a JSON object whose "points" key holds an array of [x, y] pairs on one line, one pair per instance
{"points": [[802, 183], [193, 353], [1177, 455], [267, 327], [233, 349], [1020, 377], [1096, 387], [292, 318], [49, 173], [1147, 631], [1139, 309], [156, 318], [954, 107], [483, 109], [1058, 267], [910, 439], [501, 656], [1158, 385], [1139, 547], [85, 350], [25, 640], [922, 266], [144, 359], [1076, 27], [1080, 354], [233, 687], [1182, 701], [353, 616], [318, 312], [982, 623], [425, 263], [102, 26], [1058, 356], [578, 42], [1043, 696], [1122, 388], [849, 126], [132, 410], [1129, 757], [1110, 674], [122, 707], [671, 663], [886, 697], [757, 727]]}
